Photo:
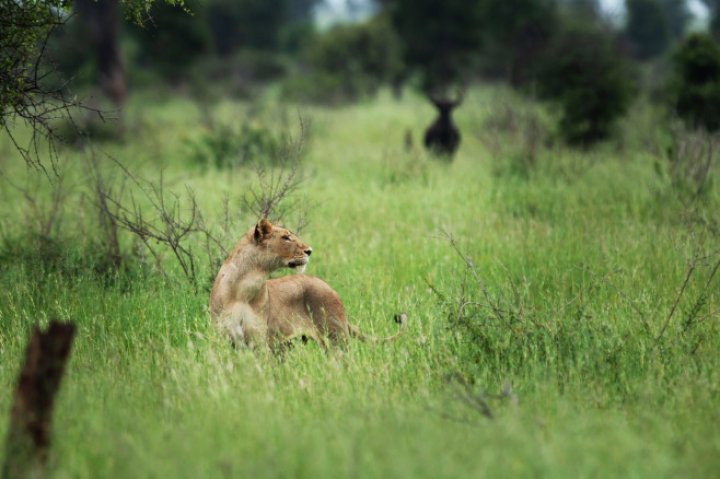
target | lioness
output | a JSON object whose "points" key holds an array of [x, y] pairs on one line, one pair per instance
{"points": [[258, 311]]}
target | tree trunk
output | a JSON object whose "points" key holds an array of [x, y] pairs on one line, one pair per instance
{"points": [[102, 20]]}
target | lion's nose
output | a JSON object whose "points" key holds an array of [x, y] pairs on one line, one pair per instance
{"points": [[308, 251]]}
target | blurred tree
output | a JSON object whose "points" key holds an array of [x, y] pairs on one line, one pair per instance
{"points": [[714, 7], [174, 37], [516, 34], [585, 74], [254, 24], [584, 10], [678, 15], [697, 82], [648, 28], [441, 40], [349, 62], [238, 43], [101, 20], [68, 53], [301, 10], [299, 28]]}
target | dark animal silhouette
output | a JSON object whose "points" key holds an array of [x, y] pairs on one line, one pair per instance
{"points": [[443, 137]]}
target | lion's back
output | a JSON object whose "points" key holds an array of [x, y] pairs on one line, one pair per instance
{"points": [[307, 296]]}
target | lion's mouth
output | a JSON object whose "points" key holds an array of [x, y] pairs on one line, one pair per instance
{"points": [[297, 263]]}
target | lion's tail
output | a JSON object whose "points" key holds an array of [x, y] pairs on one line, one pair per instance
{"points": [[400, 318]]}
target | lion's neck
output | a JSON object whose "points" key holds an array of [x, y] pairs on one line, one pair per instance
{"points": [[245, 274]]}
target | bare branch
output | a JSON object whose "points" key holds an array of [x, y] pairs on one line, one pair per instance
{"points": [[273, 194], [26, 99], [678, 297]]}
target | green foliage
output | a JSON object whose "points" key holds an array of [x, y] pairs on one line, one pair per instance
{"points": [[227, 145], [585, 75], [68, 54], [25, 27], [648, 28], [348, 62], [517, 33], [137, 11], [229, 44], [257, 24], [696, 88], [239, 24], [440, 40], [174, 38]]}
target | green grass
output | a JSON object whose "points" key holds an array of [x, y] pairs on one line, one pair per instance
{"points": [[583, 255]]}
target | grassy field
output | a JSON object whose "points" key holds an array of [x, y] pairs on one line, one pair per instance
{"points": [[563, 308]]}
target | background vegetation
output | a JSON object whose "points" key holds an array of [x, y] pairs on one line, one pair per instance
{"points": [[560, 275], [564, 286]]}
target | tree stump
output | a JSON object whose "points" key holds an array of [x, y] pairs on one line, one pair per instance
{"points": [[28, 439]]}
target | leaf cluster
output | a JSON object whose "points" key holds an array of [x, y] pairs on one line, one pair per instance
{"points": [[584, 74], [697, 82]]}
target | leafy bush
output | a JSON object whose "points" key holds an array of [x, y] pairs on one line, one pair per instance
{"points": [[696, 89], [229, 146], [348, 62], [586, 76]]}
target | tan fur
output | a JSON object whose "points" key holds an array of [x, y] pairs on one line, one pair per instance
{"points": [[258, 311]]}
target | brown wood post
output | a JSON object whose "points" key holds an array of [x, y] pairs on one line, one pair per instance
{"points": [[28, 439]]}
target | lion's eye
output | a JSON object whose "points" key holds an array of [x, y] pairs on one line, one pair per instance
{"points": [[286, 237]]}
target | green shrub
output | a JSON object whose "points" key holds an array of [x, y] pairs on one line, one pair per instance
{"points": [[229, 146], [347, 63], [696, 90], [585, 75]]}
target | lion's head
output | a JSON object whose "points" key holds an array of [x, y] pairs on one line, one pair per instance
{"points": [[280, 247]]}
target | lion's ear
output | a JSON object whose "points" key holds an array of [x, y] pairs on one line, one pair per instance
{"points": [[262, 229]]}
